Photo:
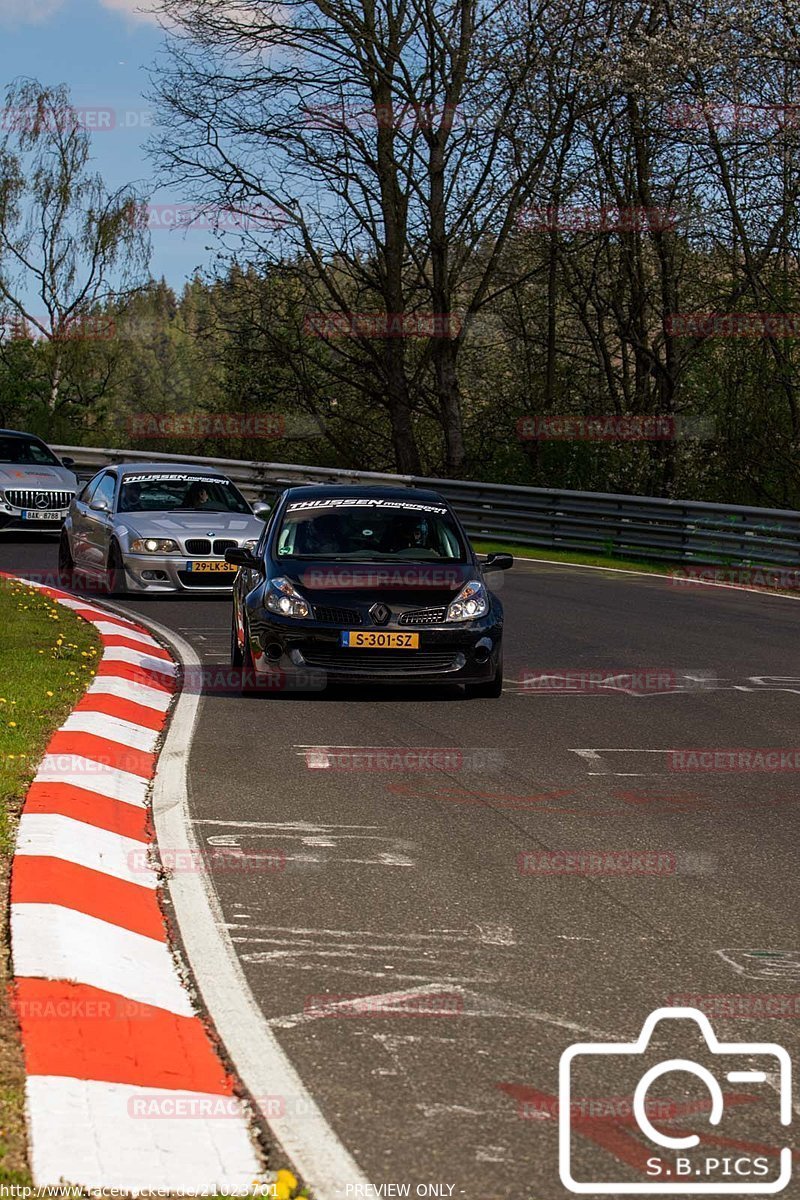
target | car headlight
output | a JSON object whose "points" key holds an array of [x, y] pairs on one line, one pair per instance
{"points": [[471, 602], [250, 545], [281, 597], [154, 546]]}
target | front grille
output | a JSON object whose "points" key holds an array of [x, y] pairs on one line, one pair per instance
{"points": [[337, 616], [221, 579], [422, 616], [382, 662], [223, 544], [27, 498], [198, 546]]}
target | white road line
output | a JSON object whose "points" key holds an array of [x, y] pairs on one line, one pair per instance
{"points": [[94, 777], [52, 835], [319, 1157], [159, 1153], [138, 737], [51, 942]]}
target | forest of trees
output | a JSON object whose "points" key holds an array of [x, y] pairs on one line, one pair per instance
{"points": [[479, 216]]}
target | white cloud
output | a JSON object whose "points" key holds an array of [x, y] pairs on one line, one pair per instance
{"points": [[139, 10], [22, 12]]}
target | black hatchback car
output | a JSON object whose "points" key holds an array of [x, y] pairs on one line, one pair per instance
{"points": [[366, 585]]}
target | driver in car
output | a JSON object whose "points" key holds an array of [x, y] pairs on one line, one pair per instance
{"points": [[198, 496]]}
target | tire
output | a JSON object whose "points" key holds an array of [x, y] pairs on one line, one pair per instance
{"points": [[115, 573], [248, 687], [492, 689], [237, 658], [66, 564]]}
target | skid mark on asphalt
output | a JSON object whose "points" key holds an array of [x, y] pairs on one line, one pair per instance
{"points": [[763, 964], [470, 1004], [438, 957], [313, 839]]}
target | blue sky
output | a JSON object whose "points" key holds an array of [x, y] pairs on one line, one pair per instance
{"points": [[101, 49]]}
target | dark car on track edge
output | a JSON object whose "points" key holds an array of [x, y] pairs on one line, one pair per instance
{"points": [[352, 584]]}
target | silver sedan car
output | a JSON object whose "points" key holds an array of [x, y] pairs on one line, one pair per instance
{"points": [[156, 527], [36, 488]]}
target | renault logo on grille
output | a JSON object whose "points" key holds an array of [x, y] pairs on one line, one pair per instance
{"points": [[380, 613], [42, 500]]}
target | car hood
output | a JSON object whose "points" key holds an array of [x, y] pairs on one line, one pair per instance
{"points": [[20, 475], [190, 524], [408, 584]]}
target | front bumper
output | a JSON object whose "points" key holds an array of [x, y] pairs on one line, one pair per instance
{"points": [[168, 573], [467, 653], [14, 522]]}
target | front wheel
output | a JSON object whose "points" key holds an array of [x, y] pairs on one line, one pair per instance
{"points": [[237, 658], [492, 688], [115, 572], [66, 564], [249, 684]]}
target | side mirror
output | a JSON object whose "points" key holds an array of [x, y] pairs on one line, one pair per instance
{"points": [[69, 463], [101, 505], [241, 557], [498, 562], [262, 509]]}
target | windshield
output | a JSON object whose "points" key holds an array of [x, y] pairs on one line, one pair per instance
{"points": [[354, 529], [180, 493], [26, 450]]}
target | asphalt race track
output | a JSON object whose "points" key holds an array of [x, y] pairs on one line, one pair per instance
{"points": [[409, 880]]}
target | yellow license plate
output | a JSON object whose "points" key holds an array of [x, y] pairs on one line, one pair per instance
{"points": [[370, 639], [212, 568]]}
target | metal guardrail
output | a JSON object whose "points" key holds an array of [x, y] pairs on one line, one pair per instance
{"points": [[621, 526]]}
